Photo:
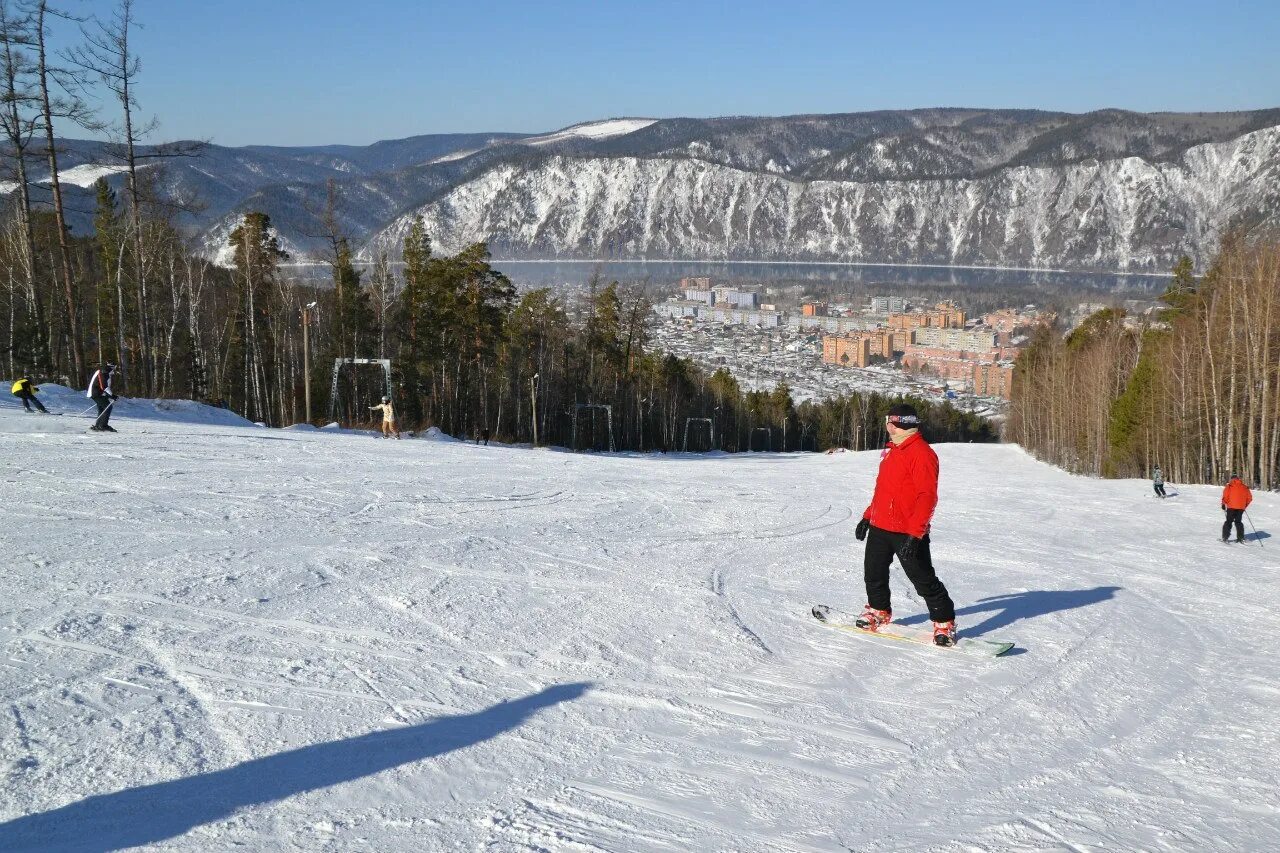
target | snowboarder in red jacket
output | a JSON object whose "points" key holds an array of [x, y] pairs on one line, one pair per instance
{"points": [[897, 522]]}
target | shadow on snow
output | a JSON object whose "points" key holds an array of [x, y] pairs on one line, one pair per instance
{"points": [[1017, 606], [153, 813]]}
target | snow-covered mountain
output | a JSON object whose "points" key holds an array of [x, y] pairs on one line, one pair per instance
{"points": [[218, 636], [1103, 190], [1122, 213]]}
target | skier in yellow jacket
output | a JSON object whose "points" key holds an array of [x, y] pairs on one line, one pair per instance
{"points": [[26, 392], [388, 418]]}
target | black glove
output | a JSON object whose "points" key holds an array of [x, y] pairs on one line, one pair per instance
{"points": [[1224, 507], [907, 550], [860, 532]]}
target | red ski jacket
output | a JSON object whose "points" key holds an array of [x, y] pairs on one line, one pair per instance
{"points": [[1236, 495], [906, 488]]}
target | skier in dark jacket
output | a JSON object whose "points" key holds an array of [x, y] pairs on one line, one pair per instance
{"points": [[897, 522], [26, 392], [100, 392]]}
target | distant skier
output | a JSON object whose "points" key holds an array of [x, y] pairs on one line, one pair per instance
{"points": [[388, 418], [1236, 498], [1157, 480], [897, 522], [26, 392], [103, 396], [484, 436]]}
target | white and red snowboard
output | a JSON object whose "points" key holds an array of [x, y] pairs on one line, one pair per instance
{"points": [[974, 646]]}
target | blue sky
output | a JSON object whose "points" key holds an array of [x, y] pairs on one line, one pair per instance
{"points": [[300, 72]]}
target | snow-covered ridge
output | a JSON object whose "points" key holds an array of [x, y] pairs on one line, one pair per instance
{"points": [[87, 174], [1127, 214], [455, 155], [592, 130]]}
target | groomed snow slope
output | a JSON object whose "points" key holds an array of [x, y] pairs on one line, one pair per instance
{"points": [[220, 636]]}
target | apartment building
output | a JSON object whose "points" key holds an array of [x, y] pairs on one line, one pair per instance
{"points": [[742, 317], [830, 325], [858, 349], [993, 380], [941, 337], [888, 305], [846, 351], [736, 298]]}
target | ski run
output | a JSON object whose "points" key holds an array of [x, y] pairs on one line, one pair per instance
{"points": [[219, 636]]}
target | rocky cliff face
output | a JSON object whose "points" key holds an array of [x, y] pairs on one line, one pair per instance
{"points": [[1127, 212]]}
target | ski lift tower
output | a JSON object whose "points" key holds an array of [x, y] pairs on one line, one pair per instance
{"points": [[593, 408], [711, 428], [339, 363]]}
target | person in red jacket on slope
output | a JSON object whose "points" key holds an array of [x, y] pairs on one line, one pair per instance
{"points": [[897, 522], [1236, 498]]}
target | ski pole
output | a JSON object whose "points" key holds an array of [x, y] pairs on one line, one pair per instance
{"points": [[94, 406], [1255, 530]]}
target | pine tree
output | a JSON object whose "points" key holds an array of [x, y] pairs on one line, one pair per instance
{"points": [[257, 255]]}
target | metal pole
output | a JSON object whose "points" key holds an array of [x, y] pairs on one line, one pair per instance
{"points": [[306, 357], [533, 387], [1255, 530]]}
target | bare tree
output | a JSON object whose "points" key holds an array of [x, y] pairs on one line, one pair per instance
{"points": [[66, 104], [20, 118], [106, 55]]}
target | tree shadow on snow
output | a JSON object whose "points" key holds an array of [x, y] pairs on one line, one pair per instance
{"points": [[1022, 605], [154, 813]]}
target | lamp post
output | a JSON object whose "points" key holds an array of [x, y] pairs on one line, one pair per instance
{"points": [[306, 354], [533, 387]]}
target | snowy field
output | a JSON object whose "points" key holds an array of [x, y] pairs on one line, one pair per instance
{"points": [[220, 636]]}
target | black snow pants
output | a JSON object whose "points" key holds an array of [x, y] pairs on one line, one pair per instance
{"points": [[1234, 516], [28, 399], [104, 412], [882, 546], [1159, 487]]}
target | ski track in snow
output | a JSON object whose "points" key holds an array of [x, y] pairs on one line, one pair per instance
{"points": [[186, 603]]}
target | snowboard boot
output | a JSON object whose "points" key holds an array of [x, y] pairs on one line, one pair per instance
{"points": [[944, 633], [872, 619]]}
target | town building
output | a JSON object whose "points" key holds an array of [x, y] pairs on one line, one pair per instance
{"points": [[954, 338], [830, 325], [743, 317], [858, 349], [736, 298], [944, 316], [679, 309], [847, 351], [814, 309], [993, 380], [694, 309], [888, 305]]}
